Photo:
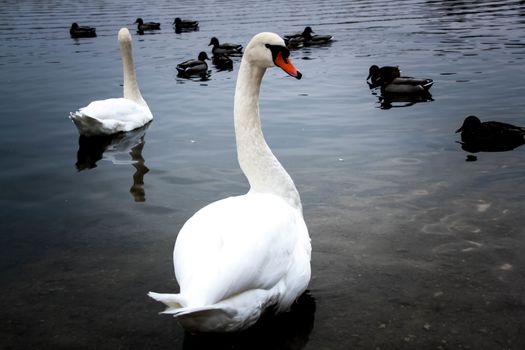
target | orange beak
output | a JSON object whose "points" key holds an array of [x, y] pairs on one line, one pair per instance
{"points": [[287, 66]]}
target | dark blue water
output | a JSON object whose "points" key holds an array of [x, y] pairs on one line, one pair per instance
{"points": [[413, 247]]}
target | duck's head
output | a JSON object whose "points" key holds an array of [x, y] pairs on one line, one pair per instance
{"points": [[74, 26], [269, 50], [177, 21], [203, 56], [470, 123], [373, 73], [308, 31], [139, 21], [214, 41]]}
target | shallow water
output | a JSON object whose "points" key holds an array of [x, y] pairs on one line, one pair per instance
{"points": [[413, 247]]}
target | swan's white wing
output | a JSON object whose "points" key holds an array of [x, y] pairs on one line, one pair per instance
{"points": [[111, 116], [237, 244]]}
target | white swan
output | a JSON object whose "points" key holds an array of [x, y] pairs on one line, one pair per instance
{"points": [[241, 255], [106, 117]]}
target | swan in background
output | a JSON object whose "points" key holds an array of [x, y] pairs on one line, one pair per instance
{"points": [[239, 256], [106, 117], [77, 31]]}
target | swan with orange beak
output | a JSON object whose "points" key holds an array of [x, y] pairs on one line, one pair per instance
{"points": [[242, 256]]}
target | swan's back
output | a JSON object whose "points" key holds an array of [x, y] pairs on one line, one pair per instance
{"points": [[242, 243], [110, 116]]}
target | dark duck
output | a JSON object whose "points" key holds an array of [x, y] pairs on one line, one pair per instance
{"points": [[77, 31], [490, 136], [142, 26]]}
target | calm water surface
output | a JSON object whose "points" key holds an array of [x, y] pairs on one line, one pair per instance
{"points": [[413, 247]]}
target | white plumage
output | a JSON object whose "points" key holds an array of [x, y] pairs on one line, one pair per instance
{"points": [[106, 117], [239, 256]]}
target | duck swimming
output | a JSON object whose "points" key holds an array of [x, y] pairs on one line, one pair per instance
{"points": [[185, 24], [77, 31], [390, 80], [141, 26], [194, 66], [378, 75], [110, 116], [305, 38], [222, 62], [240, 256], [225, 48], [490, 136]]}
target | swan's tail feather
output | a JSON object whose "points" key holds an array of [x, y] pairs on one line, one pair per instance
{"points": [[87, 125], [90, 126], [172, 301], [199, 318], [175, 305]]}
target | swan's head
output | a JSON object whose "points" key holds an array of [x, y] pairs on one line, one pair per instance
{"points": [[268, 50], [124, 35]]}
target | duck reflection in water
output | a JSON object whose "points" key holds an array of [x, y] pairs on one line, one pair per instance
{"points": [[490, 136], [113, 148], [393, 100], [290, 330]]}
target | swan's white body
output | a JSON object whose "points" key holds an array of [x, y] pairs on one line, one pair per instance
{"points": [[241, 255], [106, 117]]}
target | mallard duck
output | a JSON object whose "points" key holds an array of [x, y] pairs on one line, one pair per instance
{"points": [[295, 43], [141, 26], [240, 256], [222, 62], [317, 39], [378, 75], [490, 136], [182, 24], [194, 66], [305, 38], [390, 80], [82, 32], [110, 116], [225, 48]]}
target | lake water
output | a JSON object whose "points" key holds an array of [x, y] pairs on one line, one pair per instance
{"points": [[413, 247]]}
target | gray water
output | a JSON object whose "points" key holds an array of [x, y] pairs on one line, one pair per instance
{"points": [[413, 247]]}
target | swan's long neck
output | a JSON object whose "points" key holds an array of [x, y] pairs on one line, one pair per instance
{"points": [[264, 172], [131, 86]]}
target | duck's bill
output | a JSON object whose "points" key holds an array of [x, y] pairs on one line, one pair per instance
{"points": [[287, 66], [460, 129]]}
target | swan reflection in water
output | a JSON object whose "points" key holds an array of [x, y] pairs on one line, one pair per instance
{"points": [[290, 330], [113, 148]]}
